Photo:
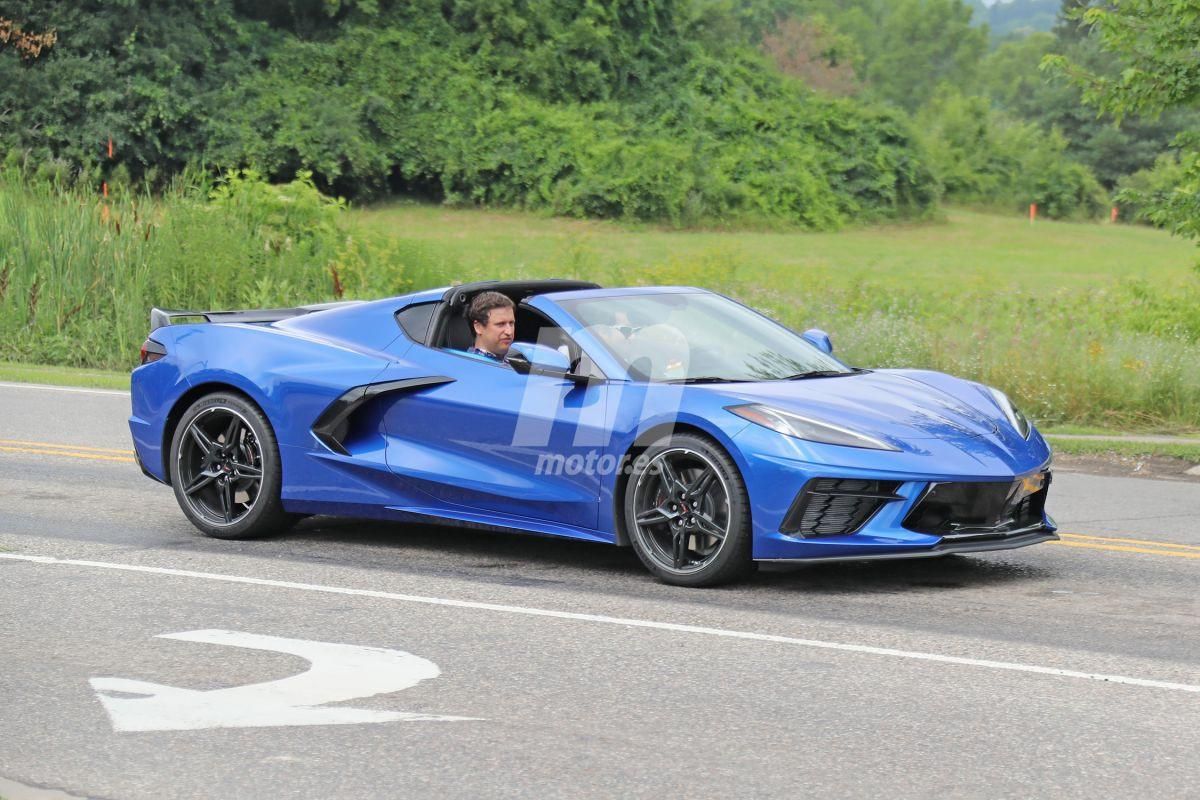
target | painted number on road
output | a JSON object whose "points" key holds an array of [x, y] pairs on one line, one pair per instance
{"points": [[338, 672]]}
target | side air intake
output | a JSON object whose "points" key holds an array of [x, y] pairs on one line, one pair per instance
{"points": [[334, 423]]}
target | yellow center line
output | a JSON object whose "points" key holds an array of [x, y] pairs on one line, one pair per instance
{"points": [[71, 447], [45, 452], [1119, 549], [1119, 540]]}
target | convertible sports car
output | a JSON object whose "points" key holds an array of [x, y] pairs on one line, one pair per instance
{"points": [[670, 419]]}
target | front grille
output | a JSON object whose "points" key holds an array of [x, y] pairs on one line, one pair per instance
{"points": [[836, 506], [974, 510]]}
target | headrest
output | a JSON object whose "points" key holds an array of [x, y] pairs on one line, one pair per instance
{"points": [[459, 333]]}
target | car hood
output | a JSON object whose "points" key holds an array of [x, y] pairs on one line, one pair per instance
{"points": [[894, 406]]}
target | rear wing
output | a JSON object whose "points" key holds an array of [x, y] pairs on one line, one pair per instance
{"points": [[162, 317]]}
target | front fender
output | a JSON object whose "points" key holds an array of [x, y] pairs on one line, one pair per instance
{"points": [[640, 413]]}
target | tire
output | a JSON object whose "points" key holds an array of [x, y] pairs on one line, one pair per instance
{"points": [[701, 539], [225, 469]]}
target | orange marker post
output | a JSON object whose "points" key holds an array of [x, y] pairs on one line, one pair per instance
{"points": [[110, 147], [104, 188], [1113, 217], [1032, 212]]}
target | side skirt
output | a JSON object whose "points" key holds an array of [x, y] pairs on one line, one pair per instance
{"points": [[496, 523]]}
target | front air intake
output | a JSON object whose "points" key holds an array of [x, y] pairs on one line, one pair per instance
{"points": [[836, 506], [962, 510]]}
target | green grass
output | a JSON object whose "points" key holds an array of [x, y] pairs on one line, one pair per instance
{"points": [[1078, 430], [63, 376], [966, 250], [1092, 430], [1088, 447], [1082, 324]]}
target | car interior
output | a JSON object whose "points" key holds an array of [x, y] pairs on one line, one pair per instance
{"points": [[450, 329]]}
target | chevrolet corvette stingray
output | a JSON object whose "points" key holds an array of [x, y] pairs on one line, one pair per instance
{"points": [[673, 420]]}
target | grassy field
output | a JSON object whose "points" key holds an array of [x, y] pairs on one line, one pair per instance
{"points": [[1092, 430], [63, 376], [1085, 324], [1184, 451], [966, 250]]}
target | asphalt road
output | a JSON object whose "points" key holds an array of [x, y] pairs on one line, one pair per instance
{"points": [[1066, 670]]}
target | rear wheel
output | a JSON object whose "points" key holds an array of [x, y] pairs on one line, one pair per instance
{"points": [[688, 514], [225, 469]]}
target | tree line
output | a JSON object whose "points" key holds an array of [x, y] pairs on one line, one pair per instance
{"points": [[803, 112]]}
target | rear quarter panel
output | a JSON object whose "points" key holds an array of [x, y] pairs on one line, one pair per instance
{"points": [[290, 375]]}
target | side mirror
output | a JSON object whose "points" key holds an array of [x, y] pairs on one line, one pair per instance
{"points": [[818, 338], [538, 359]]}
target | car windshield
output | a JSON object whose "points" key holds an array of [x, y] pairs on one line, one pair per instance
{"points": [[698, 337]]}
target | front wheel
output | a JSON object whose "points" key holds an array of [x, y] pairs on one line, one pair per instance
{"points": [[688, 514], [225, 469]]}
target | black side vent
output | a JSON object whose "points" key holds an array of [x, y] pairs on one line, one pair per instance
{"points": [[334, 423], [836, 506]]}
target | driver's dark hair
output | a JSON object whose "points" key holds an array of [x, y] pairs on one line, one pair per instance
{"points": [[483, 304]]}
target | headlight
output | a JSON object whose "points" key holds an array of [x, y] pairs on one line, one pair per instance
{"points": [[790, 424], [1018, 420]]}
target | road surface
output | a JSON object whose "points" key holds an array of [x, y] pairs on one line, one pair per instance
{"points": [[546, 668]]}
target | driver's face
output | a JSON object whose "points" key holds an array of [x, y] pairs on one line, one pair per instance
{"points": [[497, 334]]}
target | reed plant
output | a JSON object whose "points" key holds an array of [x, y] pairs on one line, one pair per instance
{"points": [[79, 273]]}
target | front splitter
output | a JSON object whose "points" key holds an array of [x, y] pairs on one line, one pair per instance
{"points": [[946, 549]]}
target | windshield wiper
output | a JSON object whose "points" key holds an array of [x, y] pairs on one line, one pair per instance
{"points": [[821, 373], [705, 379]]}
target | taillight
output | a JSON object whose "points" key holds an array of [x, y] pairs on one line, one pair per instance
{"points": [[152, 351]]}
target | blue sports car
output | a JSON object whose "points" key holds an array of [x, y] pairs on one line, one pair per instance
{"points": [[670, 419]]}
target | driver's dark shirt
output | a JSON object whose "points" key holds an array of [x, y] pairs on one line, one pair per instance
{"points": [[473, 350]]}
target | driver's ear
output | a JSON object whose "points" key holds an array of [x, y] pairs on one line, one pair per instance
{"points": [[476, 327]]}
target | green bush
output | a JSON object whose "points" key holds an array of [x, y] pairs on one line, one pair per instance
{"points": [[710, 141], [585, 109], [1142, 192], [984, 158]]}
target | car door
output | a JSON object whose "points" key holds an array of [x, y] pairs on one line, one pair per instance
{"points": [[496, 441]]}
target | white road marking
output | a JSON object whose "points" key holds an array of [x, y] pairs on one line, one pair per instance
{"points": [[19, 791], [71, 389], [937, 658], [339, 672]]}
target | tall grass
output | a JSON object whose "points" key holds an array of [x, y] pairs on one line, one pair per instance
{"points": [[1122, 355], [1065, 355], [79, 274]]}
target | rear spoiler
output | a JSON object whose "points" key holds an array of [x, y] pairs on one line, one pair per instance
{"points": [[162, 317]]}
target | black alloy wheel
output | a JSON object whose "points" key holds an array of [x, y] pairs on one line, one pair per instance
{"points": [[687, 513], [225, 469]]}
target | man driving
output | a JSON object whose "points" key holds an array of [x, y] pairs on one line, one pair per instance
{"points": [[494, 321]]}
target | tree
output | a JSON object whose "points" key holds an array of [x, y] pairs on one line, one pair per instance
{"points": [[1156, 39], [143, 72], [910, 47], [981, 156], [810, 50], [1111, 148], [1016, 18], [28, 45]]}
